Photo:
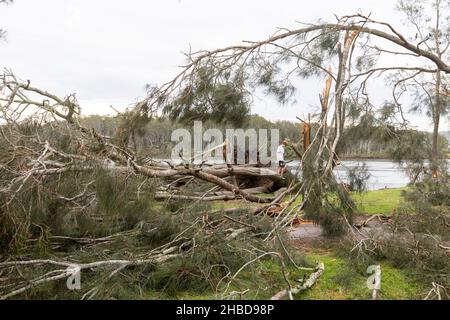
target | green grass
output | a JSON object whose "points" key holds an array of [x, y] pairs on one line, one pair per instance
{"points": [[379, 201], [383, 201], [342, 282], [223, 205]]}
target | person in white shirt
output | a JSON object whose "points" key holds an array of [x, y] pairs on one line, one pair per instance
{"points": [[280, 158]]}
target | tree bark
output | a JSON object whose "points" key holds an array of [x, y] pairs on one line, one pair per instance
{"points": [[305, 286]]}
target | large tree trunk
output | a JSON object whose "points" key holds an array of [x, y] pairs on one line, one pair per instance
{"points": [[436, 113], [437, 107]]}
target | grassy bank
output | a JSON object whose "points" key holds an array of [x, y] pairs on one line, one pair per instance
{"points": [[384, 201], [340, 281], [343, 281]]}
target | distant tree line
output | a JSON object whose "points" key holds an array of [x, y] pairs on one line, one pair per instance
{"points": [[363, 140]]}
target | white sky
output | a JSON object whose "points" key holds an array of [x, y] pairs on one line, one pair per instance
{"points": [[107, 50]]}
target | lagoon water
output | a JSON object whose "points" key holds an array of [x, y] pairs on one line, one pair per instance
{"points": [[384, 174]]}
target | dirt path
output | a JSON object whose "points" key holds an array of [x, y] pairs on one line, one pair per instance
{"points": [[310, 236]]}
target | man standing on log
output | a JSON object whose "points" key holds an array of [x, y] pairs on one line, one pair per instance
{"points": [[280, 158]]}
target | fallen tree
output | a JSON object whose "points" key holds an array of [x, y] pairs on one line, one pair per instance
{"points": [[52, 164]]}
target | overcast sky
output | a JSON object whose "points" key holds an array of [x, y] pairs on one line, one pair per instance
{"points": [[107, 50]]}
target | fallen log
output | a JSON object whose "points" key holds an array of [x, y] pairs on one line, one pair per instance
{"points": [[256, 190], [245, 171], [69, 268], [214, 176], [214, 196], [304, 286], [381, 218], [220, 171], [275, 202], [228, 186], [166, 196]]}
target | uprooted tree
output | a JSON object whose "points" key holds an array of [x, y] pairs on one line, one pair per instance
{"points": [[55, 170]]}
